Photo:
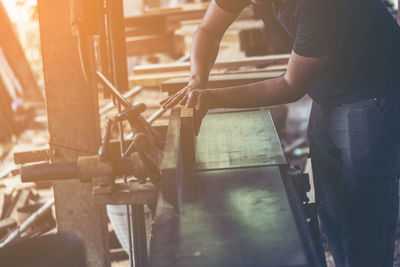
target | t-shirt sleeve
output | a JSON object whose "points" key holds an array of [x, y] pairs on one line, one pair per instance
{"points": [[233, 5], [318, 33]]}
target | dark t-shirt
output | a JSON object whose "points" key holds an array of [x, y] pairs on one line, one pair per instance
{"points": [[361, 37]]}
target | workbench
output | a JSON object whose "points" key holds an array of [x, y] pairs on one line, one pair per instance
{"points": [[230, 206]]}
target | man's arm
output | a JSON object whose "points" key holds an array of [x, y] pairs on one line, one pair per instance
{"points": [[290, 87], [204, 50]]}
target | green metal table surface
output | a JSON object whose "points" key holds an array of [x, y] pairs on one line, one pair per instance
{"points": [[237, 217]]}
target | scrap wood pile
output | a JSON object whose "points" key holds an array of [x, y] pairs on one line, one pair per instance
{"points": [[24, 213]]}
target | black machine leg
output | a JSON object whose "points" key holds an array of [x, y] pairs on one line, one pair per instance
{"points": [[139, 236], [311, 214]]}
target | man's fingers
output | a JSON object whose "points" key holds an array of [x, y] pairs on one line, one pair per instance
{"points": [[176, 98], [191, 102], [166, 103], [164, 100], [200, 102], [183, 101], [173, 101]]}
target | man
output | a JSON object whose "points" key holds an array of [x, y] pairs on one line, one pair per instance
{"points": [[345, 54]]}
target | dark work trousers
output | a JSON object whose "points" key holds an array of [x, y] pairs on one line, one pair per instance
{"points": [[58, 250], [355, 154]]}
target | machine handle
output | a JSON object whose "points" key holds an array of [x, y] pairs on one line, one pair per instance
{"points": [[49, 171]]}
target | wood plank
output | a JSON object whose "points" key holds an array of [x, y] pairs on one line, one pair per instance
{"points": [[156, 79], [173, 85], [150, 26], [31, 156], [238, 139], [22, 199], [171, 151], [171, 159], [172, 15], [73, 123], [168, 43], [221, 64], [187, 137], [236, 217]]}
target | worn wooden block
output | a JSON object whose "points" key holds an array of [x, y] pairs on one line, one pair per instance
{"points": [[187, 137], [171, 159]]}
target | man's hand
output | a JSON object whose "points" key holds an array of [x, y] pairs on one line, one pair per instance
{"points": [[181, 96], [200, 100]]}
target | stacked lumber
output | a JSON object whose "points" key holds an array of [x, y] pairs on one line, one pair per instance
{"points": [[246, 69], [227, 63], [155, 31]]}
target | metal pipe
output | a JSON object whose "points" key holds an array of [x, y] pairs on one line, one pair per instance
{"points": [[135, 90], [139, 236], [114, 91], [158, 113]]}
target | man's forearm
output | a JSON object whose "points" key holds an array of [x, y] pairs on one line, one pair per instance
{"points": [[265, 93], [204, 51]]}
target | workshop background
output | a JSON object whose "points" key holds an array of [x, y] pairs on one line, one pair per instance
{"points": [[23, 121]]}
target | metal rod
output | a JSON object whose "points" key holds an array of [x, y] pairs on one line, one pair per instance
{"points": [[27, 223], [128, 213], [158, 113], [128, 94], [139, 236], [128, 150], [113, 90]]}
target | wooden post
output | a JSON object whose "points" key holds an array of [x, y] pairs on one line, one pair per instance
{"points": [[73, 122]]}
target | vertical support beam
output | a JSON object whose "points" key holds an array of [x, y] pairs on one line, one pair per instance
{"points": [[73, 122], [187, 137], [118, 44]]}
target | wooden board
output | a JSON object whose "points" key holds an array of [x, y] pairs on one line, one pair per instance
{"points": [[168, 43], [156, 79], [226, 63], [236, 217], [238, 139], [162, 21], [173, 85]]}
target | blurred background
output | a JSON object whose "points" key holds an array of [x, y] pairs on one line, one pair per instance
{"points": [[23, 121]]}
